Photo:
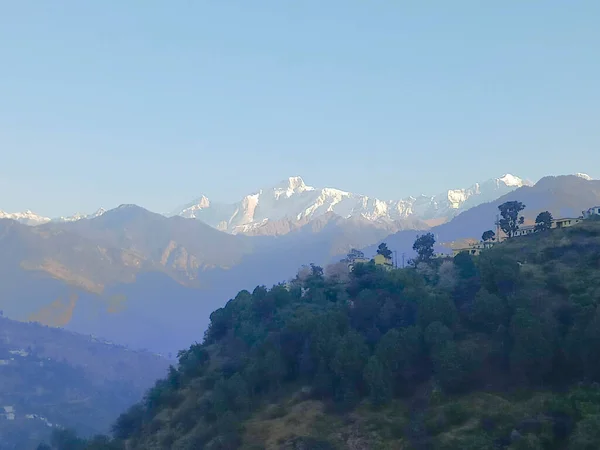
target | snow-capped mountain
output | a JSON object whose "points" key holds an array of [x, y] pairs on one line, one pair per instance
{"points": [[78, 216], [294, 202], [293, 199], [27, 217], [33, 219]]}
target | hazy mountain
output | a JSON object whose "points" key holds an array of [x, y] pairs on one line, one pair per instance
{"points": [[128, 275], [150, 281], [174, 245], [276, 209], [291, 204], [30, 218], [26, 217], [54, 378], [563, 196]]}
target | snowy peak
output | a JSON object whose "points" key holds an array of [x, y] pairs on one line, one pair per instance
{"points": [[79, 216], [291, 186], [28, 217], [511, 180], [292, 199], [585, 176], [189, 210]]}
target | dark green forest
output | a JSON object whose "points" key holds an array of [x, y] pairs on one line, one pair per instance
{"points": [[497, 351]]}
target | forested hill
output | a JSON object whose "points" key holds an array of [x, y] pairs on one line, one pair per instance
{"points": [[496, 351]]}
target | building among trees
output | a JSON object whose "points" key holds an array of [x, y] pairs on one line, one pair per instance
{"points": [[556, 223], [517, 229], [595, 211]]}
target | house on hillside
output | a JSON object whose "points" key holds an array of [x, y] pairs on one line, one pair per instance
{"points": [[381, 260], [524, 230], [473, 249], [564, 222], [378, 260], [595, 211]]}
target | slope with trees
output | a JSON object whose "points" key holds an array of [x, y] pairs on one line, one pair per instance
{"points": [[562, 196], [496, 351], [51, 378]]}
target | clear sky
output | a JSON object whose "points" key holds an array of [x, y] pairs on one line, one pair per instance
{"points": [[155, 102]]}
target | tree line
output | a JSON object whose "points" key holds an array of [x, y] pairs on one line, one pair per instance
{"points": [[371, 336]]}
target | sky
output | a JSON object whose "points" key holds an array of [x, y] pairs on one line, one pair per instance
{"points": [[154, 103]]}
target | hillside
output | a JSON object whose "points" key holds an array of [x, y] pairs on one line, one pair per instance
{"points": [[495, 351], [110, 275], [52, 378], [563, 196]]}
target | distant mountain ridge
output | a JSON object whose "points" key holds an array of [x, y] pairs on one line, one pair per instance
{"points": [[291, 203], [150, 281], [30, 218], [562, 196], [55, 378], [293, 200]]}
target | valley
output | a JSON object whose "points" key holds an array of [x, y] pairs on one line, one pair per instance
{"points": [[110, 275], [52, 379]]}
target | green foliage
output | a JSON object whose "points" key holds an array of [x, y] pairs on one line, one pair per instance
{"points": [[389, 335], [354, 254], [587, 434], [465, 265], [543, 221], [488, 312], [66, 440], [424, 247], [437, 307], [488, 235], [384, 251], [510, 217], [378, 377], [532, 350]]}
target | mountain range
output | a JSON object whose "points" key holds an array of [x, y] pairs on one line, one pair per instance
{"points": [[275, 210], [291, 203], [150, 281], [30, 218]]}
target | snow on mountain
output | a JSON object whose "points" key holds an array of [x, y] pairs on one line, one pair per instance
{"points": [[33, 219], [78, 216], [585, 176], [293, 199], [27, 217]]}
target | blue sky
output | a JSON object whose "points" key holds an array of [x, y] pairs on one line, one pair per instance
{"points": [[155, 102]]}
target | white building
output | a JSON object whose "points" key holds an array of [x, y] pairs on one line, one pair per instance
{"points": [[595, 211]]}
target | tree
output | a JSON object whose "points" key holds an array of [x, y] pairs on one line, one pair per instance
{"points": [[379, 381], [337, 272], [424, 247], [586, 434], [316, 271], [66, 440], [488, 235], [354, 254], [129, 422], [543, 221], [488, 312], [510, 217], [384, 251]]}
